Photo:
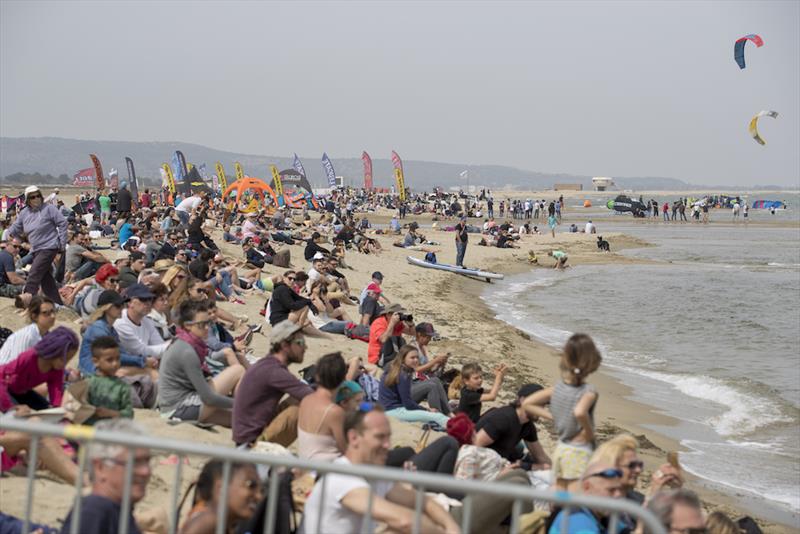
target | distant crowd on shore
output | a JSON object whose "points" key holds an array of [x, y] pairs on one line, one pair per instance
{"points": [[152, 335]]}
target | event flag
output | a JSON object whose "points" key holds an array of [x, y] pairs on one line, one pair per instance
{"points": [[83, 178], [398, 175], [183, 175], [132, 181], [298, 166], [276, 180], [239, 171], [329, 172], [367, 170], [170, 177], [223, 180], [98, 172]]}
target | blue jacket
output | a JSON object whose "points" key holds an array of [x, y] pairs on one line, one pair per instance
{"points": [[399, 395], [97, 329]]}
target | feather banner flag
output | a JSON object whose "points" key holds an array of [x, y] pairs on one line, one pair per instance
{"points": [[398, 175], [298, 166], [239, 171], [367, 170], [132, 181], [223, 180], [98, 172], [329, 172]]}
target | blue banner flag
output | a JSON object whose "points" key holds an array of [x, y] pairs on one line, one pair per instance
{"points": [[298, 166], [329, 172], [177, 167]]}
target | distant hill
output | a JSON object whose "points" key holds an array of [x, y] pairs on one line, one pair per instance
{"points": [[57, 156]]}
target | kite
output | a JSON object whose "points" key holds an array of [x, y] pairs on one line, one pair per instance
{"points": [[738, 47], [754, 122]]}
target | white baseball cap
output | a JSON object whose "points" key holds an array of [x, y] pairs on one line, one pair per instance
{"points": [[31, 189]]}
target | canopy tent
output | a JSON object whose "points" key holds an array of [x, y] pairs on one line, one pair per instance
{"points": [[251, 184], [291, 178]]}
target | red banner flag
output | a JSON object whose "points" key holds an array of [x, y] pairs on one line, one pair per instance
{"points": [[367, 170], [98, 172], [83, 178], [396, 161]]}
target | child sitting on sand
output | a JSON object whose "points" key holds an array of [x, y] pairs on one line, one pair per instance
{"points": [[107, 393], [472, 394], [572, 402]]}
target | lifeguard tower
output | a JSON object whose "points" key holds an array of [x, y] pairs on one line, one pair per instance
{"points": [[601, 183]]}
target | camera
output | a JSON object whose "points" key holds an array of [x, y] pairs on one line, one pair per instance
{"points": [[406, 317]]}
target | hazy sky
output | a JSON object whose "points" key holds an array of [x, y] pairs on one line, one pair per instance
{"points": [[594, 88]]}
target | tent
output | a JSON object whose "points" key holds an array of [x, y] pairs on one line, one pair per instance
{"points": [[250, 184]]}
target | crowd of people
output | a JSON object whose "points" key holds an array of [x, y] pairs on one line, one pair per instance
{"points": [[151, 336]]}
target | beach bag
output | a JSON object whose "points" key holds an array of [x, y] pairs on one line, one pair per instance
{"points": [[430, 257], [370, 385], [357, 331]]}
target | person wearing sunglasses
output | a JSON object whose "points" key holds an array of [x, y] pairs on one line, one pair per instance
{"points": [[601, 479], [42, 315], [11, 282], [46, 230], [186, 391]]}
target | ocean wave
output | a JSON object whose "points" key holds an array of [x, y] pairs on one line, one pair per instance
{"points": [[744, 467], [744, 412]]}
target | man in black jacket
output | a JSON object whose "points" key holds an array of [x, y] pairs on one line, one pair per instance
{"points": [[312, 247], [286, 304], [124, 201]]}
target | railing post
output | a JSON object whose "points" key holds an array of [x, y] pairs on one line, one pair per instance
{"points": [[125, 512], [32, 461], [324, 488], [516, 508], [466, 515], [176, 485], [418, 502], [83, 452], [222, 505], [366, 525], [613, 522], [272, 499]]}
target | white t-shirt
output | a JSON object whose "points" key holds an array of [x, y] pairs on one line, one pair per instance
{"points": [[336, 519], [188, 204], [18, 342], [589, 227]]}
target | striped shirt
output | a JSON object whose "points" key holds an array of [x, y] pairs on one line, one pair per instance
{"points": [[562, 406], [19, 341]]}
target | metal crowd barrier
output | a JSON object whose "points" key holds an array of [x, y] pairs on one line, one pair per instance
{"points": [[420, 481]]}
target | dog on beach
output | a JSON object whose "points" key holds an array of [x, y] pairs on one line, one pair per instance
{"points": [[602, 244]]}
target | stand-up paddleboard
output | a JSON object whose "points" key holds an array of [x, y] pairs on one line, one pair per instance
{"points": [[487, 275]]}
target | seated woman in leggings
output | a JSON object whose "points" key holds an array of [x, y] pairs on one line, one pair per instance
{"points": [[395, 391]]}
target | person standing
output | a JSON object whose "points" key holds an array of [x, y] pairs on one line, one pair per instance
{"points": [[46, 229], [461, 241], [124, 201]]}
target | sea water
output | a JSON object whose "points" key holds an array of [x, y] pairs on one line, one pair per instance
{"points": [[709, 334]]}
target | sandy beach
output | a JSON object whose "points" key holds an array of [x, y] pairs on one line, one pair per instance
{"points": [[467, 327]]}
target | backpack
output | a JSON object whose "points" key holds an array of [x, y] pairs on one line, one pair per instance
{"points": [[371, 387], [357, 331], [430, 257]]}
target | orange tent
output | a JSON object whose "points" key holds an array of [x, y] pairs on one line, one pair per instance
{"points": [[251, 184]]}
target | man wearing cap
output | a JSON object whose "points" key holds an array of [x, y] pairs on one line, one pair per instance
{"points": [[386, 334], [313, 247], [258, 413], [377, 279], [501, 429], [46, 229], [461, 241], [370, 308], [137, 332]]}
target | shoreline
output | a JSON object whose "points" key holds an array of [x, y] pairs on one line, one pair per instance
{"points": [[619, 412]]}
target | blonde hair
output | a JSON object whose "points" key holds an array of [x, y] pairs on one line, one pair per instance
{"points": [[719, 523], [177, 295], [611, 451], [98, 312], [579, 359]]}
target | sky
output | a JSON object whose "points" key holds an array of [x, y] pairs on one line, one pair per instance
{"points": [[625, 89]]}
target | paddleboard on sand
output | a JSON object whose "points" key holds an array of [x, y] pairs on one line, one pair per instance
{"points": [[455, 269]]}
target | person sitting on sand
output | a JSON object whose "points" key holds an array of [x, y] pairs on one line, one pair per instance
{"points": [[43, 363], [502, 429], [285, 304], [386, 334], [41, 313], [600, 479], [561, 259], [472, 394], [572, 403], [137, 332], [678, 510], [109, 394], [257, 414], [185, 391], [244, 495], [395, 390]]}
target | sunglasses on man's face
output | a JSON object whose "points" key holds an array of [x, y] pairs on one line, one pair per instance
{"points": [[32, 197], [606, 473]]}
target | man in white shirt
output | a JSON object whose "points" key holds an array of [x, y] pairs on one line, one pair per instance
{"points": [[137, 332], [187, 206], [346, 497], [590, 228]]}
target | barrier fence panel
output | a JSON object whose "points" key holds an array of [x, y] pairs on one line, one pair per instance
{"points": [[473, 491]]}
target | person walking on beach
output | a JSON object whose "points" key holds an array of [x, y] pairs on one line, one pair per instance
{"points": [[552, 222], [665, 210], [572, 402], [46, 229], [461, 241]]}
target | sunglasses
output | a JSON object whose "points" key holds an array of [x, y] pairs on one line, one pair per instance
{"points": [[291, 278], [635, 464], [113, 280], [31, 197], [606, 473], [201, 324]]}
